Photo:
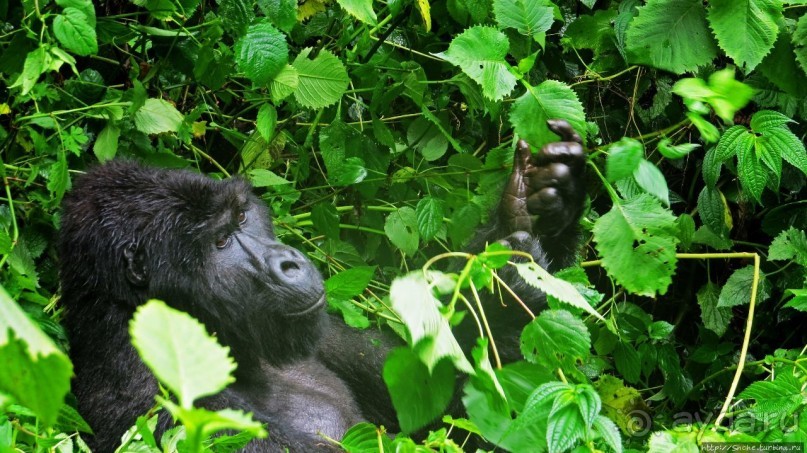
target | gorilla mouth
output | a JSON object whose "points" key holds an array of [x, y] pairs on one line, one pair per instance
{"points": [[311, 308]]}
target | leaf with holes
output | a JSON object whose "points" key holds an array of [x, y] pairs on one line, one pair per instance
{"points": [[401, 227]]}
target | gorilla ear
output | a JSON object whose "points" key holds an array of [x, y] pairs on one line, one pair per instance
{"points": [[135, 266]]}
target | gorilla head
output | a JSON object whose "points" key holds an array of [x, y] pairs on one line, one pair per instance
{"points": [[207, 247]]}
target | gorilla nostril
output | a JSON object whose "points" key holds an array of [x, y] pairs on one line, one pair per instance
{"points": [[289, 267]]}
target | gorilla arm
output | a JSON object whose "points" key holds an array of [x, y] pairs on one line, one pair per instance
{"points": [[538, 213]]}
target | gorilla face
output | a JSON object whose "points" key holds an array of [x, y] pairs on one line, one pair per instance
{"points": [[207, 247]]}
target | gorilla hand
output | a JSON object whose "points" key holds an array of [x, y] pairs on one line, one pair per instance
{"points": [[545, 192]]}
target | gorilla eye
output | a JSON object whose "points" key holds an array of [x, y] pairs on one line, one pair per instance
{"points": [[223, 242], [242, 217]]}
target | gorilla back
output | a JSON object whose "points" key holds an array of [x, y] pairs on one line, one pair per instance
{"points": [[130, 233]]}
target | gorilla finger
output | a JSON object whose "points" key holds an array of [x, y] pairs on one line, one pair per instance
{"points": [[568, 152], [545, 201], [565, 130], [553, 174], [522, 157]]}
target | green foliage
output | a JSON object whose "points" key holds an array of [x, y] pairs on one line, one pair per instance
{"points": [[381, 134]]}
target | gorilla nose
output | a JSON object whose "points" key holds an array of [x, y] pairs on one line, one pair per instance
{"points": [[287, 264]]}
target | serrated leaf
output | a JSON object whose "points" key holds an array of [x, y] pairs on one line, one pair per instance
{"points": [[360, 9], [34, 371], [790, 244], [752, 174], [638, 234], [540, 278], [609, 432], [556, 339], [350, 282], [284, 83], [266, 122], [180, 352], [74, 32], [732, 141], [628, 362], [412, 299], [623, 159], [480, 52], [261, 53], [549, 100], [671, 35], [282, 13], [33, 67], [402, 230], [652, 181], [261, 177], [714, 211], [157, 116], [529, 17], [714, 318], [564, 428], [429, 213], [106, 145], [787, 145], [746, 30], [322, 81], [737, 290]]}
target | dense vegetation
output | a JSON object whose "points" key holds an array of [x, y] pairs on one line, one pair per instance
{"points": [[381, 133]]}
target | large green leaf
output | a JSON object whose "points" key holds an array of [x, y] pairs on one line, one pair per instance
{"points": [[737, 290], [401, 227], [714, 318], [360, 9], [671, 35], [529, 17], [74, 32], [480, 51], [638, 234], [540, 278], [34, 371], [262, 52], [745, 29], [321, 81], [180, 352], [412, 299], [157, 116], [800, 42], [556, 339], [429, 213], [549, 100]]}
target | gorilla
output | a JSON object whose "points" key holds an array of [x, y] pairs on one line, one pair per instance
{"points": [[130, 233]]}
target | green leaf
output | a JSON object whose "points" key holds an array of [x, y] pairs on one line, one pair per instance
{"points": [[732, 141], [480, 52], [325, 218], [58, 177], [714, 211], [179, 351], [800, 42], [366, 437], [284, 83], [418, 394], [106, 145], [429, 213], [261, 53], [34, 372], [266, 122], [790, 244], [203, 424], [556, 339], [627, 362], [609, 432], [676, 151], [671, 35], [652, 181], [282, 13], [402, 230], [785, 144], [549, 100], [412, 299], [714, 318], [725, 94], [775, 400], [260, 177], [74, 32], [752, 174], [360, 9], [33, 67], [349, 283], [529, 17], [540, 278], [321, 81], [765, 120], [707, 130], [564, 429], [623, 159], [746, 30], [638, 234], [737, 290], [157, 116]]}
